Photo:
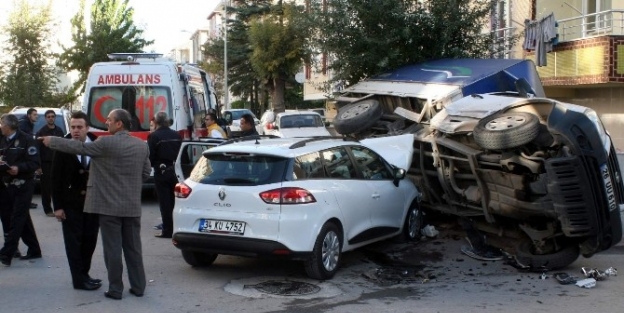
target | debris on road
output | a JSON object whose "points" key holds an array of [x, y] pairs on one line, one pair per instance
{"points": [[565, 278], [586, 283], [429, 231]]}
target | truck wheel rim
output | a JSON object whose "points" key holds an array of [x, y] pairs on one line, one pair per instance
{"points": [[355, 111], [505, 122]]}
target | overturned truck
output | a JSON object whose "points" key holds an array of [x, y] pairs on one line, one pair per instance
{"points": [[489, 146]]}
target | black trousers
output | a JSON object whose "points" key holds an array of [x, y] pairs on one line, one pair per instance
{"points": [[165, 185], [17, 200], [80, 233], [46, 187]]}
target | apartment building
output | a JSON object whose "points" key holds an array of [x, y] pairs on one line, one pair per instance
{"points": [[586, 67]]}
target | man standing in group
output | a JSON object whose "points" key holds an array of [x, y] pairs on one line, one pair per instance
{"points": [[69, 177], [214, 130], [248, 126], [164, 145], [119, 166], [20, 160], [49, 129], [27, 125]]}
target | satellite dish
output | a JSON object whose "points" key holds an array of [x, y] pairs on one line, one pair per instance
{"points": [[300, 77]]}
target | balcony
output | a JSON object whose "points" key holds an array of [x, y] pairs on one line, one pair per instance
{"points": [[590, 51], [610, 22]]}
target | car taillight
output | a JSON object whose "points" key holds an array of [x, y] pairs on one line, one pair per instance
{"points": [[269, 125], [288, 195], [182, 190]]}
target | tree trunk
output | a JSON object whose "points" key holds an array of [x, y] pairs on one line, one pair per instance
{"points": [[279, 85]]}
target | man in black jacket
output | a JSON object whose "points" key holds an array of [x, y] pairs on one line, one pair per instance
{"points": [[27, 125], [248, 126], [69, 177], [49, 129], [164, 145], [20, 160]]}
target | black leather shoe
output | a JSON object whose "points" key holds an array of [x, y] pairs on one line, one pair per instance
{"points": [[5, 260], [135, 293], [161, 235], [30, 256], [95, 280], [17, 254], [88, 286], [110, 295]]}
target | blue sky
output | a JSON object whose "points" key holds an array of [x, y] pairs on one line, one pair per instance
{"points": [[171, 22]]}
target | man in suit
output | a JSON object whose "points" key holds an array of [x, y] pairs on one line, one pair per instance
{"points": [[68, 177], [164, 144], [20, 159], [119, 166]]}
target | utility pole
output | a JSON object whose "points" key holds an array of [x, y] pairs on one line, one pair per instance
{"points": [[226, 92]]}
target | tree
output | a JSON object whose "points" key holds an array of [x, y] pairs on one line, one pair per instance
{"points": [[243, 82], [27, 78], [369, 37], [111, 30], [278, 42]]}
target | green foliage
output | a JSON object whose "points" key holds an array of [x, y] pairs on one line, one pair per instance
{"points": [[111, 30], [369, 37], [278, 42], [239, 104], [27, 78]]}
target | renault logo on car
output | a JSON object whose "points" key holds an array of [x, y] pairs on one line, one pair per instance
{"points": [[221, 194]]}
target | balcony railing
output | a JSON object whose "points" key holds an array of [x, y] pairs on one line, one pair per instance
{"points": [[609, 22]]}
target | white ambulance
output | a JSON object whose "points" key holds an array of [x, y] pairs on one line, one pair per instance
{"points": [[144, 84]]}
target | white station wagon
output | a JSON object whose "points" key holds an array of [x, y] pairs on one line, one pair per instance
{"points": [[308, 199]]}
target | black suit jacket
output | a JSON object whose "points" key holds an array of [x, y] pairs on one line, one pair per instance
{"points": [[69, 180]]}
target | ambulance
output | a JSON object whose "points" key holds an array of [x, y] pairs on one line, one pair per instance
{"points": [[145, 84]]}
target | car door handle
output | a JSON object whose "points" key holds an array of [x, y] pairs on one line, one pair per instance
{"points": [[376, 196]]}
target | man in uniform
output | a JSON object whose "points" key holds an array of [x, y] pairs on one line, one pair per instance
{"points": [[69, 177], [164, 145], [49, 129], [20, 160]]}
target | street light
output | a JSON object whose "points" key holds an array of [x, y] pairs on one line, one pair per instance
{"points": [[225, 65]]}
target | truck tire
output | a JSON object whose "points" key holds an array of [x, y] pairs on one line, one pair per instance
{"points": [[356, 117], [543, 262], [506, 130]]}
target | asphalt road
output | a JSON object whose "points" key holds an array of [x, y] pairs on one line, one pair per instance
{"points": [[429, 276]]}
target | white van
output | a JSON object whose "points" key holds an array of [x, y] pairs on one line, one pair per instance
{"points": [[144, 84]]}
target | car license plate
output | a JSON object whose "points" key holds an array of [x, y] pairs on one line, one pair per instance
{"points": [[606, 177], [223, 227]]}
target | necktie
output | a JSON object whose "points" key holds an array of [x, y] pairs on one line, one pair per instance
{"points": [[83, 161]]}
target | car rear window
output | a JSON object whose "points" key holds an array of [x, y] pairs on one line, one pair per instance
{"points": [[238, 169]]}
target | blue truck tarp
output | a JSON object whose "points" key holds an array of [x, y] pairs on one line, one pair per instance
{"points": [[471, 75]]}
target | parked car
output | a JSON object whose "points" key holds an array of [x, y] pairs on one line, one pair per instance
{"points": [[532, 169], [296, 124], [321, 112], [233, 116], [308, 199], [62, 117]]}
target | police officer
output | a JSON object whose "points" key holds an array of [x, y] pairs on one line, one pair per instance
{"points": [[164, 145], [20, 160]]}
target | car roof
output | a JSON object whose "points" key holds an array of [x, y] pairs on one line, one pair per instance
{"points": [[283, 147], [43, 109]]}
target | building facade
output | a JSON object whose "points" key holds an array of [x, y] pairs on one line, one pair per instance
{"points": [[586, 67]]}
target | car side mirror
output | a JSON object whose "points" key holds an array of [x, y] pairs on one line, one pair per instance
{"points": [[399, 174]]}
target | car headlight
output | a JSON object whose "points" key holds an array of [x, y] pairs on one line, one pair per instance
{"points": [[606, 142]]}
